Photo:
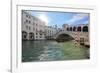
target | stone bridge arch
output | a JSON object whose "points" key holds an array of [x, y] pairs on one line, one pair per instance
{"points": [[69, 33]]}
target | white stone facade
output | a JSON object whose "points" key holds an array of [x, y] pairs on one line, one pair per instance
{"points": [[35, 29], [50, 32]]}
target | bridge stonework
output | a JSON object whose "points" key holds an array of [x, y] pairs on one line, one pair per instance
{"points": [[80, 37]]}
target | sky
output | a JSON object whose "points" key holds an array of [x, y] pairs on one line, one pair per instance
{"points": [[60, 18]]}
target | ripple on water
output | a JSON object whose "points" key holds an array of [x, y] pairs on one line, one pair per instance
{"points": [[50, 51]]}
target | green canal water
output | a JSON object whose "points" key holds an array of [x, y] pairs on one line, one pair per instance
{"points": [[34, 51]]}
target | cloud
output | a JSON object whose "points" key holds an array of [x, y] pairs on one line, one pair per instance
{"points": [[77, 17], [44, 18]]}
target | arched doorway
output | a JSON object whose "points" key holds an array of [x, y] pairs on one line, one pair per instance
{"points": [[67, 28], [74, 28], [31, 36], [70, 28], [85, 29], [79, 28], [24, 35]]}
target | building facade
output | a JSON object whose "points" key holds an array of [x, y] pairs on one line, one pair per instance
{"points": [[50, 32], [32, 27], [35, 29]]}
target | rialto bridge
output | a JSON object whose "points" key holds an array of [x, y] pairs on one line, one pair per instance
{"points": [[80, 34]]}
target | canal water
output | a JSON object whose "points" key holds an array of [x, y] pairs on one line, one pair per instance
{"points": [[34, 51]]}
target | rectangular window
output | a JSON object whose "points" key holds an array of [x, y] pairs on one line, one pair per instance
{"points": [[40, 36], [29, 22], [29, 16], [36, 36], [36, 33], [36, 24], [26, 15], [26, 21], [27, 27]]}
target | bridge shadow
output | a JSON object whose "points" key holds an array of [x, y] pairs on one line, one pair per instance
{"points": [[64, 38]]}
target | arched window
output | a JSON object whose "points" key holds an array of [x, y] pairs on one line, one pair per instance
{"points": [[31, 36], [74, 28], [70, 28], [85, 29], [79, 28], [24, 35]]}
